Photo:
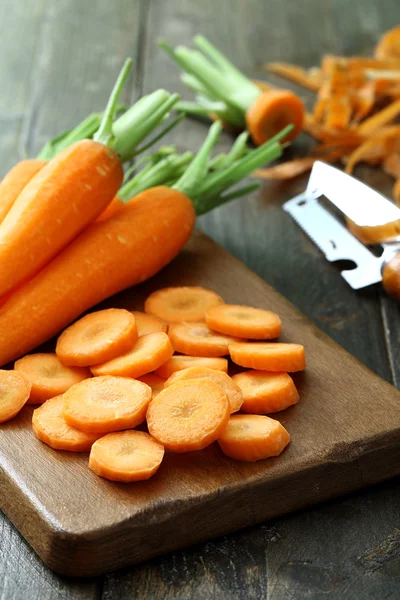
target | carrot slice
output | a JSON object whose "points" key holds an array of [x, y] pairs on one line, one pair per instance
{"points": [[391, 164], [50, 427], [389, 44], [381, 118], [105, 404], [177, 304], [264, 392], [188, 415], [126, 456], [231, 389], [253, 437], [150, 352], [148, 323], [14, 393], [309, 79], [97, 337], [154, 382], [197, 339], [48, 376], [177, 363], [268, 356], [244, 321], [396, 192]]}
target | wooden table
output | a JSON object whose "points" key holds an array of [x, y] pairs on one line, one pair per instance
{"points": [[58, 61]]}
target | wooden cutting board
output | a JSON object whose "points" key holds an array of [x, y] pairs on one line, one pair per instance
{"points": [[345, 435]]}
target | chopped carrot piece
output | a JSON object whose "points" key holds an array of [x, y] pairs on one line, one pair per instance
{"points": [[48, 376], [197, 339], [381, 118], [177, 304], [154, 382], [177, 363], [268, 356], [338, 109], [97, 337], [230, 387], [150, 352], [396, 192], [253, 437], [126, 456], [188, 415], [50, 427], [389, 44], [244, 321], [391, 164], [105, 404], [265, 392], [309, 79], [15, 388], [148, 323], [297, 166]]}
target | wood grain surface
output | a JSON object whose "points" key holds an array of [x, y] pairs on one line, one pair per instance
{"points": [[57, 61]]}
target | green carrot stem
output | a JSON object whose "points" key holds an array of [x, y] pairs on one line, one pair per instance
{"points": [[160, 135], [206, 206], [221, 61], [238, 150]]}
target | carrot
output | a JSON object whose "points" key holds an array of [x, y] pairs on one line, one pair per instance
{"points": [[226, 383], [389, 44], [188, 415], [177, 363], [114, 206], [243, 321], [309, 79], [15, 181], [253, 437], [98, 337], [148, 323], [267, 356], [265, 392], [154, 382], [271, 112], [198, 340], [105, 404], [396, 192], [126, 456], [50, 427], [15, 389], [177, 304], [391, 164], [150, 352]]}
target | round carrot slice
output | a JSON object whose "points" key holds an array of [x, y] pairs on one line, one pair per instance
{"points": [[253, 437], [14, 393], [264, 392], [198, 340], [50, 427], [104, 404], [97, 337], [243, 321], [268, 356], [177, 304], [177, 363], [148, 323], [149, 353], [48, 376], [126, 456], [231, 389], [188, 415], [154, 382]]}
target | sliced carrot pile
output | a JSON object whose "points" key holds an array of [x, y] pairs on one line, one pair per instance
{"points": [[198, 340], [243, 321], [126, 456], [229, 386], [155, 382], [14, 393], [253, 437], [50, 427], [97, 337], [267, 356], [188, 415], [177, 304], [177, 363], [148, 323], [105, 404], [148, 354], [265, 392], [48, 376]]}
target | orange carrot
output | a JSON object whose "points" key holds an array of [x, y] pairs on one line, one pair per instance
{"points": [[197, 339], [253, 437], [148, 323], [150, 352], [15, 390], [155, 382], [50, 427], [177, 363], [48, 376], [268, 356], [97, 337], [243, 321], [126, 456], [389, 44], [115, 205], [396, 192], [177, 304], [15, 181], [264, 392], [105, 404], [231, 389], [309, 79], [188, 415]]}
